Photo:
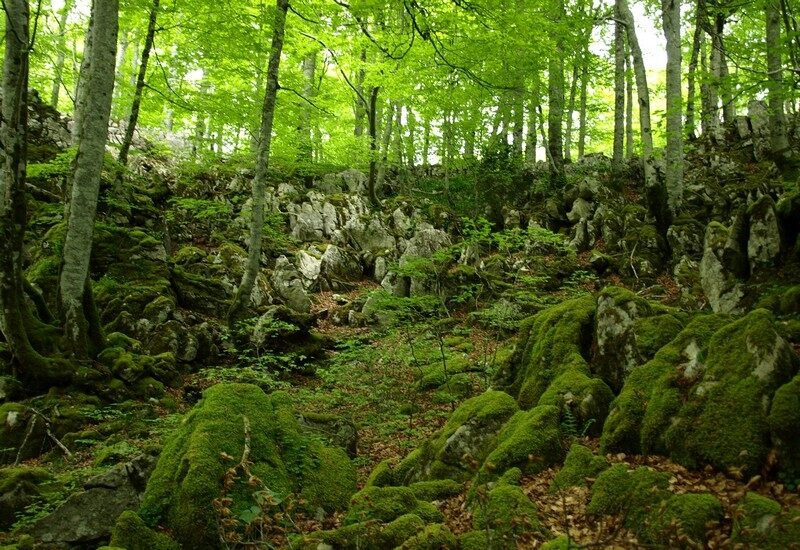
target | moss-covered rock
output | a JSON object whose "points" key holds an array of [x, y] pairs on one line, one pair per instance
{"points": [[433, 537], [686, 515], [550, 365], [388, 503], [367, 535], [131, 533], [188, 477], [634, 494], [506, 510], [562, 542], [461, 446], [19, 489], [760, 522], [436, 489], [580, 463], [784, 423]]}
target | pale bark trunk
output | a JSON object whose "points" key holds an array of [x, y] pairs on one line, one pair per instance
{"points": [[690, 78], [619, 89], [61, 56], [359, 108], [426, 142], [99, 83], [583, 102], [411, 151], [531, 138], [708, 109], [306, 129], [655, 193], [372, 116], [80, 89], [243, 293], [385, 144], [671, 18], [573, 92], [555, 93], [133, 119], [777, 119], [519, 123], [628, 106]]}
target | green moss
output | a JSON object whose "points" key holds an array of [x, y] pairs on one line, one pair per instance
{"points": [[562, 542], [25, 542], [530, 440], [386, 504], [484, 414], [579, 464], [784, 423], [382, 475], [759, 522], [687, 514], [474, 540], [436, 489], [401, 529], [131, 533], [633, 494], [332, 481], [627, 429], [653, 333], [506, 509], [189, 473], [358, 536], [433, 537], [14, 475]]}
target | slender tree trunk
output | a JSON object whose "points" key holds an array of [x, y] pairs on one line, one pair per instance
{"points": [[86, 183], [725, 90], [573, 92], [306, 131], [411, 151], [531, 138], [690, 77], [583, 102], [139, 90], [628, 105], [619, 89], [61, 56], [80, 88], [555, 137], [777, 119], [671, 18], [386, 141], [519, 122], [245, 290], [656, 195], [708, 107], [397, 132], [373, 146], [359, 108], [426, 142]]}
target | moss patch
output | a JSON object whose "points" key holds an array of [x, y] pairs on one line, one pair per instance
{"points": [[579, 464], [131, 533]]}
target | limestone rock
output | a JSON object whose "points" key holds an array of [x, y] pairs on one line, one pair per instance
{"points": [[723, 291], [764, 242], [288, 285], [339, 267]]}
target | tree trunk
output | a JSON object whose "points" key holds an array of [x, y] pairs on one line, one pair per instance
{"points": [[690, 77], [359, 108], [583, 101], [242, 297], [411, 151], [619, 89], [386, 141], [573, 92], [306, 129], [656, 195], [61, 56], [99, 91], [426, 142], [628, 105], [137, 93], [777, 120], [555, 93], [531, 138], [372, 116], [671, 18], [80, 87], [708, 107], [519, 122]]}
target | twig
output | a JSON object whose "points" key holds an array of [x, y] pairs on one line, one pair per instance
{"points": [[25, 440], [631, 260], [50, 433]]}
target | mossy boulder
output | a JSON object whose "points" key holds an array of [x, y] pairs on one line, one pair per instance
{"points": [[211, 439], [581, 463], [131, 533], [562, 542], [19, 489], [550, 365], [784, 423], [684, 519], [388, 503], [433, 537], [634, 494], [506, 510], [760, 522], [436, 489], [367, 535], [461, 446]]}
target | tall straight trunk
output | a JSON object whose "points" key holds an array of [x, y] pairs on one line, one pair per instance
{"points": [[372, 116], [655, 193], [359, 108], [531, 138], [583, 102], [776, 96], [791, 29], [619, 88], [386, 141], [397, 132], [555, 97], [628, 105], [133, 119], [81, 86], [671, 19], [96, 110], [726, 92], [245, 290], [519, 122], [61, 56], [708, 107], [426, 142], [306, 131], [690, 77], [411, 151], [573, 92]]}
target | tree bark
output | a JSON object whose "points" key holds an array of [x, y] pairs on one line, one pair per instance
{"points": [[519, 122], [619, 89], [306, 130], [61, 56], [656, 195], [777, 119], [426, 142], [573, 92], [583, 102], [359, 108], [385, 144], [628, 105], [98, 95], [130, 129], [243, 293], [671, 18], [690, 77], [555, 137], [373, 146]]}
